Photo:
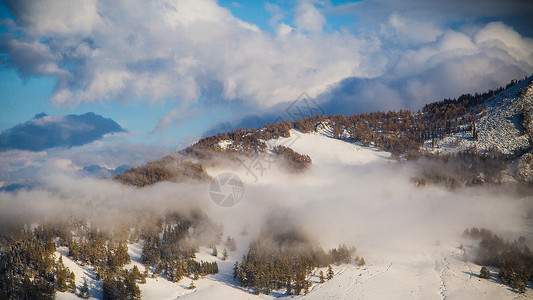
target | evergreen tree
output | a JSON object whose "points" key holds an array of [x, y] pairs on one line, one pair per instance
{"points": [[321, 277], [136, 273], [72, 282], [215, 251], [84, 290], [330, 272], [307, 285], [109, 289], [132, 289], [144, 275], [225, 254], [231, 244], [61, 276], [484, 273], [361, 262], [192, 286], [73, 249], [235, 270]]}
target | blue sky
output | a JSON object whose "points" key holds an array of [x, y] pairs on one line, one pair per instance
{"points": [[171, 70]]}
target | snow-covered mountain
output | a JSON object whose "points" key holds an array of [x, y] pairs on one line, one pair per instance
{"points": [[416, 257], [332, 179]]}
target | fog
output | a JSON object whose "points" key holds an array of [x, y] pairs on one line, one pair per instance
{"points": [[373, 206]]}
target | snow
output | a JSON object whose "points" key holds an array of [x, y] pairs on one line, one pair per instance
{"points": [[225, 144], [499, 126], [394, 270], [324, 150], [81, 272]]}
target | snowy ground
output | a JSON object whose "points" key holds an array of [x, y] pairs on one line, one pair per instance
{"points": [[408, 237], [500, 127]]}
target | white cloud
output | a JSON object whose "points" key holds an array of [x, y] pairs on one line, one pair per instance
{"points": [[183, 50], [276, 11], [455, 63], [308, 17], [411, 29], [175, 49]]}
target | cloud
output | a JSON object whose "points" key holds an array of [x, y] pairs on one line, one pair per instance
{"points": [[380, 213], [188, 51], [177, 117], [308, 17], [176, 50], [44, 132], [454, 64], [276, 12], [62, 17], [29, 168]]}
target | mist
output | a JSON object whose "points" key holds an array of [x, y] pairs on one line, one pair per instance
{"points": [[373, 206]]}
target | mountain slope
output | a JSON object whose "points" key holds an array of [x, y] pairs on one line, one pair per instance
{"points": [[396, 227]]}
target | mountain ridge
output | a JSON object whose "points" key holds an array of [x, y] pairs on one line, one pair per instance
{"points": [[496, 124]]}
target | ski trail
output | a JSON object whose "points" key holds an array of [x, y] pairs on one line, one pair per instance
{"points": [[354, 283], [442, 288]]}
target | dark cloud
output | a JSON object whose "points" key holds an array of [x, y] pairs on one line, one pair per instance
{"points": [[44, 132], [516, 13]]}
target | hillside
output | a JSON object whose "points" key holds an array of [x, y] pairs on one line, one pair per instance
{"points": [[491, 131], [369, 206], [410, 248]]}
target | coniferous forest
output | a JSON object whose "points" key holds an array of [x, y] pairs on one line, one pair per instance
{"points": [[514, 260], [31, 265]]}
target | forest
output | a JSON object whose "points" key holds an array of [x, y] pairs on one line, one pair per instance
{"points": [[513, 259], [283, 258], [31, 265], [166, 169]]}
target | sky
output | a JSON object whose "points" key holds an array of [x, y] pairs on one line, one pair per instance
{"points": [[161, 74]]}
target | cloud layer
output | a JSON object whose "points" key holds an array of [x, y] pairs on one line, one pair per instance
{"points": [[44, 132], [182, 50], [390, 55]]}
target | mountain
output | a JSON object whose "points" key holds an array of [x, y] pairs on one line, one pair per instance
{"points": [[370, 206], [97, 171], [492, 132]]}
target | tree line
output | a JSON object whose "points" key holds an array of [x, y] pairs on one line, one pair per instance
{"points": [[513, 259]]}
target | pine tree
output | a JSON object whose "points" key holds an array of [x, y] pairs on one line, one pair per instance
{"points": [[132, 289], [361, 262], [484, 273], [61, 276], [84, 290], [307, 285], [73, 249], [521, 287], [321, 277], [225, 254], [330, 272], [192, 286], [235, 270], [215, 251], [72, 282], [136, 272], [144, 275]]}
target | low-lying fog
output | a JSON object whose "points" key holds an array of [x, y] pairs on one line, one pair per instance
{"points": [[371, 205]]}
